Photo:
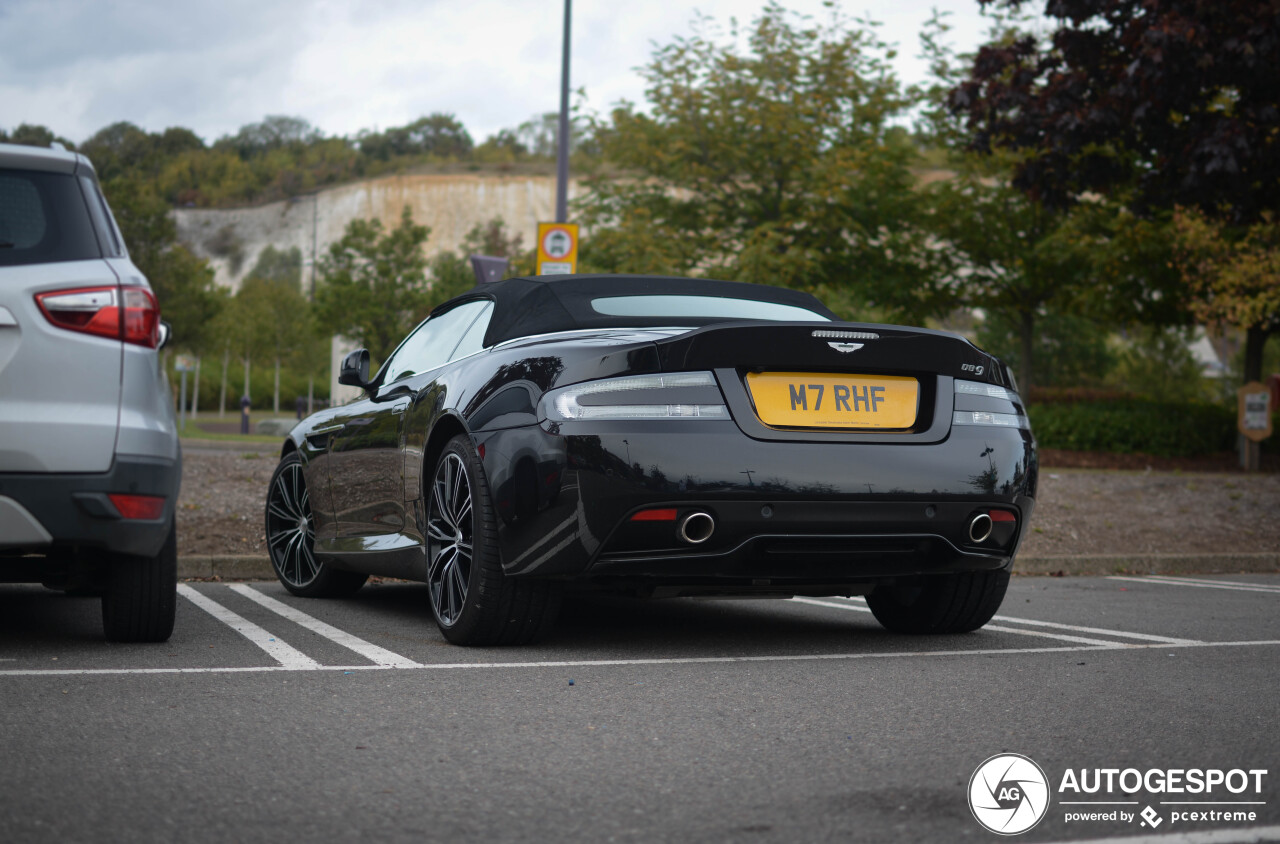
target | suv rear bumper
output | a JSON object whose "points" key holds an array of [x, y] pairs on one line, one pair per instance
{"points": [[47, 512]]}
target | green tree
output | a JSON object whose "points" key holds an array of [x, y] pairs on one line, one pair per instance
{"points": [[33, 135], [1156, 105], [279, 265], [183, 283], [1235, 278], [275, 322], [1010, 256], [372, 284], [451, 272], [773, 161]]}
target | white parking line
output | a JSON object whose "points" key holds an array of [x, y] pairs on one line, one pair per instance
{"points": [[1146, 637], [1273, 587], [287, 656], [607, 663], [1124, 634], [1101, 643], [368, 650], [1169, 581], [1204, 836]]}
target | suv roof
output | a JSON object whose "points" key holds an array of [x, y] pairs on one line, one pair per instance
{"points": [[19, 157]]}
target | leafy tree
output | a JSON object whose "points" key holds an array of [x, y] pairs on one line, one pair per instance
{"points": [[776, 163], [1157, 104], [1069, 350], [273, 319], [283, 266], [1157, 363], [275, 131], [372, 285], [117, 150], [504, 147], [439, 135], [32, 135], [451, 272], [1009, 255], [1235, 280], [1177, 95], [183, 283]]}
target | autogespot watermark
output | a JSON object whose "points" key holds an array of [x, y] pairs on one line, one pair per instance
{"points": [[1009, 794]]}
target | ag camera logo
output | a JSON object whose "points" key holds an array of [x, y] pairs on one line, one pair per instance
{"points": [[1008, 794]]}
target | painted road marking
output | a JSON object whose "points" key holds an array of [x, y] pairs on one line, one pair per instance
{"points": [[608, 663], [1206, 836], [995, 627], [368, 650], [1146, 637], [287, 656], [1168, 578], [1169, 581], [1124, 634]]}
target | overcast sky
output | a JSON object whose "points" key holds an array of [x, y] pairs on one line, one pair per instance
{"points": [[78, 65]]}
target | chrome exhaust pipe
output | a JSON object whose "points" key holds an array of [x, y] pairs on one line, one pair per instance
{"points": [[979, 528], [696, 528]]}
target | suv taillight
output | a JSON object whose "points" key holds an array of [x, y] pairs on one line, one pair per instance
{"points": [[97, 310]]}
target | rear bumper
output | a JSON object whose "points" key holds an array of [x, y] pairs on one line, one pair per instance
{"points": [[62, 512], [786, 514]]}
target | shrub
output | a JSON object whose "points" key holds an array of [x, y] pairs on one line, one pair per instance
{"points": [[1163, 429]]}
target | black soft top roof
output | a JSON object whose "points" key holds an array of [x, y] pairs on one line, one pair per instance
{"points": [[524, 307]]}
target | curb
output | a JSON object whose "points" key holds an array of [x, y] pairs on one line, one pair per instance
{"points": [[233, 567], [226, 567], [1257, 563]]}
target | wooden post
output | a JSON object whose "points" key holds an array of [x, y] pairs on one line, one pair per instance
{"points": [[1254, 422]]}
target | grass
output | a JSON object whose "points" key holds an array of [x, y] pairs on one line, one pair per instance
{"points": [[198, 428]]}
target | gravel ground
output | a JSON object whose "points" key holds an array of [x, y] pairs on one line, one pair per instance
{"points": [[1079, 511]]}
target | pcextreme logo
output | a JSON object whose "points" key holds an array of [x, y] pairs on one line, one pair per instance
{"points": [[1008, 794]]}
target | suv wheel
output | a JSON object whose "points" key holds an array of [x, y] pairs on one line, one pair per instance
{"points": [[141, 595]]}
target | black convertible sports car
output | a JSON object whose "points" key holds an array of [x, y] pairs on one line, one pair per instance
{"points": [[662, 437]]}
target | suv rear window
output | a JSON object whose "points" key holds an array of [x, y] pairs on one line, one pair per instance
{"points": [[43, 219]]}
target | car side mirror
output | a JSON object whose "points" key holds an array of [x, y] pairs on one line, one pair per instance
{"points": [[166, 331], [355, 369]]}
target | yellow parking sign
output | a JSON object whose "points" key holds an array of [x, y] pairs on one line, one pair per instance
{"points": [[557, 248]]}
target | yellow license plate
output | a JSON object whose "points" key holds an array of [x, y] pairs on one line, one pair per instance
{"points": [[813, 400]]}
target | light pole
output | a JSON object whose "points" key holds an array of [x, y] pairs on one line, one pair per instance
{"points": [[562, 151]]}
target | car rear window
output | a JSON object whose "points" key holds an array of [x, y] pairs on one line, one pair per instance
{"points": [[702, 307], [43, 219]]}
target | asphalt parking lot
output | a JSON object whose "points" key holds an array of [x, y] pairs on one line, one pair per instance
{"points": [[268, 716]]}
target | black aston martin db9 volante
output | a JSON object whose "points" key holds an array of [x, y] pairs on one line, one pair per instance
{"points": [[661, 437]]}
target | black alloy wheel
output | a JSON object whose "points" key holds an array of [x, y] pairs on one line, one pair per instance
{"points": [[451, 539], [291, 538], [473, 601]]}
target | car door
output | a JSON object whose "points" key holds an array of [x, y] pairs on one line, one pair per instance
{"points": [[367, 464]]}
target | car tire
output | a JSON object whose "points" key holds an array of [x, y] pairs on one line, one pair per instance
{"points": [[472, 599], [291, 538], [953, 603], [140, 594]]}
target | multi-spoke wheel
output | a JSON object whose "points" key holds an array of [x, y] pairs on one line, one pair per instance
{"points": [[291, 538], [451, 538], [474, 603]]}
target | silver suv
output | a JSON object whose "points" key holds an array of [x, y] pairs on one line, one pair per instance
{"points": [[89, 457]]}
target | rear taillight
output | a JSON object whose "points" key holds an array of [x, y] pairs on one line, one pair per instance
{"points": [[146, 507], [121, 313]]}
